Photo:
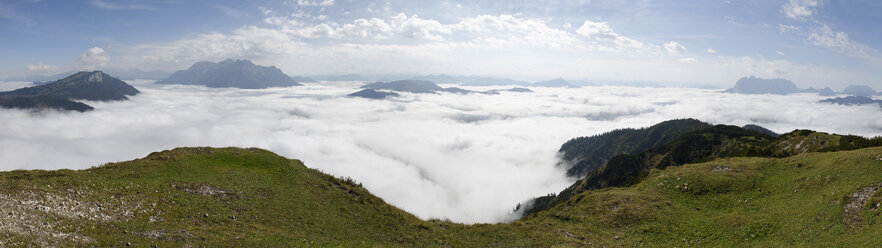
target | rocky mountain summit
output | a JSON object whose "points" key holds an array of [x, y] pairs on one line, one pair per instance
{"points": [[61, 94], [231, 73]]}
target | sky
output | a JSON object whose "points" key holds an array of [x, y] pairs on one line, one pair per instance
{"points": [[469, 158], [815, 43]]}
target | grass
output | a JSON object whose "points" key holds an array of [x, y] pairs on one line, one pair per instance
{"points": [[251, 197]]}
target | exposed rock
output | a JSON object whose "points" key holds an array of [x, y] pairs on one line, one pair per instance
{"points": [[853, 211]]}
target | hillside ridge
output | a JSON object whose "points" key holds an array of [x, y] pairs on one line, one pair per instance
{"points": [[203, 196]]}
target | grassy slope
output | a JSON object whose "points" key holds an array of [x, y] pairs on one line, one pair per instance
{"points": [[251, 197]]}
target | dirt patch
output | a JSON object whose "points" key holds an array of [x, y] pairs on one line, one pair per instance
{"points": [[853, 215]]}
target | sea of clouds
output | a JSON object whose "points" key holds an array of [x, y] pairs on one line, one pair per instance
{"points": [[467, 158]]}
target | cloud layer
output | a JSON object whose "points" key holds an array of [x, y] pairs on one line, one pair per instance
{"points": [[468, 158]]}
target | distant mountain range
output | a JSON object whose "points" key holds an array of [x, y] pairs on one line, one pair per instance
{"points": [[419, 87], [300, 79], [826, 91], [859, 90], [461, 80], [778, 86], [60, 94], [469, 80], [412, 86], [133, 74], [373, 94], [560, 83], [345, 77], [230, 73], [39, 79], [754, 85], [128, 74], [853, 100], [515, 89]]}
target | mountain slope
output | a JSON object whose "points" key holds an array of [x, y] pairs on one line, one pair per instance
{"points": [[720, 141], [241, 74], [555, 83], [60, 94], [94, 86], [585, 154], [809, 200], [229, 197], [42, 102], [412, 86], [754, 85], [859, 90], [852, 100], [373, 94], [250, 197]]}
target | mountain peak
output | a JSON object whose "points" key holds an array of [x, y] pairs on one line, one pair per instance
{"points": [[557, 82], [236, 73], [755, 85], [237, 61], [60, 94]]}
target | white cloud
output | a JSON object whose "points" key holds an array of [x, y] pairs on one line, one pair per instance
{"points": [[246, 42], [799, 9], [231, 12], [780, 53], [675, 48], [399, 25], [40, 67], [107, 5], [689, 60], [602, 32], [504, 46], [512, 28], [824, 36], [363, 28], [11, 12], [821, 34], [95, 57], [468, 158], [711, 51], [415, 27], [789, 28], [315, 3]]}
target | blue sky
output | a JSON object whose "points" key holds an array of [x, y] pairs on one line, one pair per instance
{"points": [[812, 42]]}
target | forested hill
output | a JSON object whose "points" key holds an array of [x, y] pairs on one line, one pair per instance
{"points": [[586, 154], [63, 93], [702, 145]]}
